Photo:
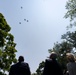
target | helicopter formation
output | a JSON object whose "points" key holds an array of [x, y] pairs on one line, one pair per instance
{"points": [[24, 19]]}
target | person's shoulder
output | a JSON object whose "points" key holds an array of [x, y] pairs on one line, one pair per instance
{"points": [[48, 60], [14, 65], [70, 64], [24, 63], [74, 63]]}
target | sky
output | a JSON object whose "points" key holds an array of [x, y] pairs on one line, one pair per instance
{"points": [[46, 24]]}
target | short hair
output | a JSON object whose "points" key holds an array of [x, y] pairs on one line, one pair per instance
{"points": [[53, 55], [21, 58], [70, 57]]}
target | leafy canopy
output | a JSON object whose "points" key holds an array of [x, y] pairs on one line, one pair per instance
{"points": [[7, 46]]}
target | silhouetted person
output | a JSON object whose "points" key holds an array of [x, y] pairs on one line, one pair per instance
{"points": [[52, 67], [20, 68], [71, 65]]}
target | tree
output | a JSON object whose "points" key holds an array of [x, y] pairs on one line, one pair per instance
{"points": [[71, 12], [39, 70], [34, 74], [70, 38], [7, 46]]}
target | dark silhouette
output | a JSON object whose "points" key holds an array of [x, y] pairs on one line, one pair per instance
{"points": [[19, 22], [20, 68], [52, 67], [24, 19], [71, 65], [21, 7], [27, 20]]}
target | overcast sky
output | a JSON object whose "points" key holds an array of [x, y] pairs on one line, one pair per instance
{"points": [[44, 27]]}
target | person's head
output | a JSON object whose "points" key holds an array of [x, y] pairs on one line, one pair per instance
{"points": [[53, 55], [21, 59], [70, 57]]}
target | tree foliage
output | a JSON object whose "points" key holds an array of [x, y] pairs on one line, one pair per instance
{"points": [[70, 38], [71, 12], [39, 70], [7, 46], [34, 74]]}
